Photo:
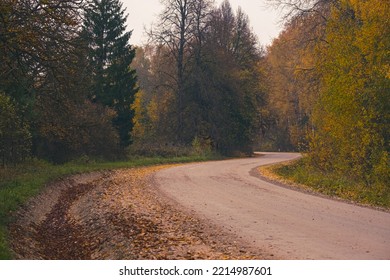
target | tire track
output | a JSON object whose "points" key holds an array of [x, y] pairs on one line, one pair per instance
{"points": [[117, 215]]}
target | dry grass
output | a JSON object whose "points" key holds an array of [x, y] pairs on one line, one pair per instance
{"points": [[299, 174]]}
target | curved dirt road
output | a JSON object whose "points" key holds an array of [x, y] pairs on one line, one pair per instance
{"points": [[288, 223], [117, 215]]}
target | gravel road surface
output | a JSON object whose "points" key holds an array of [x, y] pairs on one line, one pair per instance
{"points": [[281, 221]]}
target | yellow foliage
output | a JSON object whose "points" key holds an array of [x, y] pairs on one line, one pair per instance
{"points": [[139, 115], [352, 114]]}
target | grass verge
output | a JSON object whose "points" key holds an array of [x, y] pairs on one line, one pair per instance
{"points": [[301, 175], [19, 184]]}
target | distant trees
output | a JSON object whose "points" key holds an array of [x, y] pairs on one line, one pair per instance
{"points": [[155, 106], [206, 61], [231, 85], [181, 25], [294, 80]]}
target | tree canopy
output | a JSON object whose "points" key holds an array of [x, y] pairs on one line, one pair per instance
{"points": [[205, 68], [69, 85]]}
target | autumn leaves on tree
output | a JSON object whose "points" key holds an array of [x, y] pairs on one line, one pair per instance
{"points": [[68, 84], [330, 86]]}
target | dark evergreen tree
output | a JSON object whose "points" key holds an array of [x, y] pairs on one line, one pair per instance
{"points": [[114, 82]]}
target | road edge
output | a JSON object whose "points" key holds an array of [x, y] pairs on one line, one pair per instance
{"points": [[291, 185]]}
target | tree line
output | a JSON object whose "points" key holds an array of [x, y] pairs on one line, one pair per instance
{"points": [[66, 85], [330, 88], [68, 80], [201, 79], [71, 84]]}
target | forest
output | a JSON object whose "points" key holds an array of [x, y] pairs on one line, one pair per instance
{"points": [[72, 85]]}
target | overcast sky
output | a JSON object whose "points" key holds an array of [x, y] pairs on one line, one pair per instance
{"points": [[265, 21]]}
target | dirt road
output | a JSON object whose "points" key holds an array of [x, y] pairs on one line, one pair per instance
{"points": [[117, 215], [288, 223]]}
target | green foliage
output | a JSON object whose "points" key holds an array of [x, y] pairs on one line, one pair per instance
{"points": [[201, 146], [110, 57], [45, 73], [227, 94], [66, 123], [82, 128], [35, 36], [210, 91], [158, 150], [15, 138]]}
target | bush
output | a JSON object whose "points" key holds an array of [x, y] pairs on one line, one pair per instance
{"points": [[333, 183], [15, 137], [158, 150], [71, 130], [202, 146]]}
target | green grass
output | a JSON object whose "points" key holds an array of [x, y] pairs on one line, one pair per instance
{"points": [[19, 184], [333, 184]]}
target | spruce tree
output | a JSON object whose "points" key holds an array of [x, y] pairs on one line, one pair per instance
{"points": [[110, 55]]}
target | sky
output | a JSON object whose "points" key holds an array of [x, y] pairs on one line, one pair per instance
{"points": [[265, 21]]}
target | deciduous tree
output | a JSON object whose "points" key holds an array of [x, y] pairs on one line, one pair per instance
{"points": [[352, 115]]}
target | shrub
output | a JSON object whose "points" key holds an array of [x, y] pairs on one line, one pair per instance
{"points": [[15, 137]]}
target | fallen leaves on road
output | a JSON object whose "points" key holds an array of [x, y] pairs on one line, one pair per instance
{"points": [[117, 215]]}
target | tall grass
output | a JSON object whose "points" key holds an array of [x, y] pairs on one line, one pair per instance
{"points": [[333, 184]]}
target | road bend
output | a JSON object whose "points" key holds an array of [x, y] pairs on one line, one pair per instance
{"points": [[288, 223]]}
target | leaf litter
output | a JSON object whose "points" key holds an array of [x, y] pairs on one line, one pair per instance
{"points": [[118, 215]]}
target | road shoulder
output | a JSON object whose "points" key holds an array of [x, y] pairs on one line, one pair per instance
{"points": [[117, 215]]}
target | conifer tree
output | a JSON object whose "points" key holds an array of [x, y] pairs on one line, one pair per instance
{"points": [[110, 56]]}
